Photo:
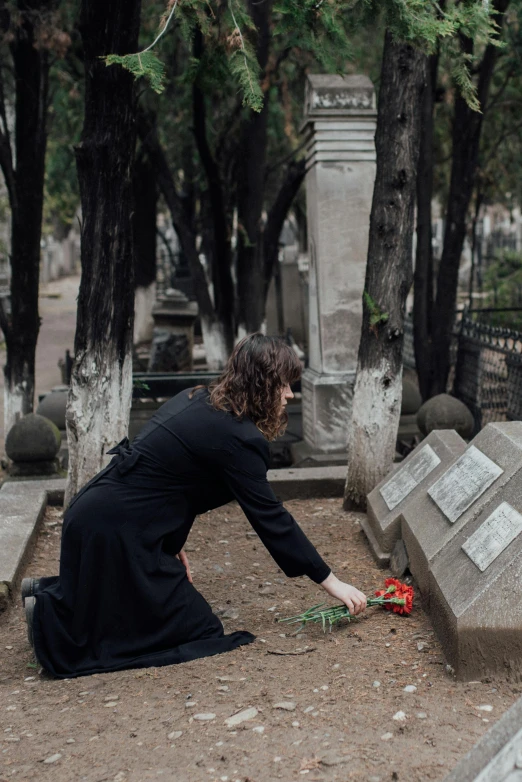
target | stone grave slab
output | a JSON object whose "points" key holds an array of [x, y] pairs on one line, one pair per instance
{"points": [[474, 589], [386, 502], [431, 519], [22, 506]]}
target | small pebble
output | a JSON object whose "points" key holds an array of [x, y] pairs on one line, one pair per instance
{"points": [[223, 688], [324, 687], [53, 758], [410, 688], [421, 715], [485, 707], [376, 684], [71, 741], [107, 698], [29, 678], [190, 704], [241, 716], [175, 734], [399, 716], [11, 708], [9, 647], [110, 704], [205, 716], [386, 736], [295, 724], [258, 729], [308, 709], [336, 666], [286, 705]]}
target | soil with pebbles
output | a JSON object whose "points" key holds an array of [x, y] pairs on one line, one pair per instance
{"points": [[322, 706]]}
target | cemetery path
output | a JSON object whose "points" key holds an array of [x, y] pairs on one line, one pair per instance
{"points": [[329, 707], [57, 307]]}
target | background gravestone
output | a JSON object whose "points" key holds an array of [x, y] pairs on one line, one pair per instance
{"points": [[410, 477], [432, 518], [339, 126]]}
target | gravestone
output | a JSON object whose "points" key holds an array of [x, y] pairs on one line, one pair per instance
{"points": [[411, 477], [474, 587], [432, 518], [339, 127]]}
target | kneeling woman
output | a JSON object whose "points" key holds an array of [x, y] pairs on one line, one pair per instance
{"points": [[124, 597]]}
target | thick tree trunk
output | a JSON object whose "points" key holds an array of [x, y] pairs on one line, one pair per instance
{"points": [[467, 127], [31, 71], [101, 384], [251, 191], [144, 223], [377, 394], [423, 275]]}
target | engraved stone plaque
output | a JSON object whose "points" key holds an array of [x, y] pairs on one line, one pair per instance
{"points": [[409, 476], [464, 483], [493, 536]]}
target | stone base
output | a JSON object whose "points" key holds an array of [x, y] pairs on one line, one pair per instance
{"points": [[327, 407], [49, 468]]}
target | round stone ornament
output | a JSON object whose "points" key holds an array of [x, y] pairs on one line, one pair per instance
{"points": [[33, 439], [445, 412]]}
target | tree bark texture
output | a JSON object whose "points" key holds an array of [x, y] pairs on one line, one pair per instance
{"points": [[467, 127], [377, 393], [31, 73], [423, 275], [101, 384], [251, 186]]}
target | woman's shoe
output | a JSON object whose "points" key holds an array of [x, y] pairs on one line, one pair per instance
{"points": [[29, 588], [30, 603]]}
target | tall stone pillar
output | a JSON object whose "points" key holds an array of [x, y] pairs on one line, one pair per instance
{"points": [[339, 123]]}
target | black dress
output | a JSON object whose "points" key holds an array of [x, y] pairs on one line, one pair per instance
{"points": [[122, 599]]}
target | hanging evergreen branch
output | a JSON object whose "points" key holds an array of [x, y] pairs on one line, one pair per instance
{"points": [[145, 63]]}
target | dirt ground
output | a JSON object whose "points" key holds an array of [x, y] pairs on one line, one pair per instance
{"points": [[344, 691]]}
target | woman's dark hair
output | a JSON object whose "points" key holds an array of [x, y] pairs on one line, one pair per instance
{"points": [[253, 379]]}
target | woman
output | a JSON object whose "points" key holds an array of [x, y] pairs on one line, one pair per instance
{"points": [[124, 597]]}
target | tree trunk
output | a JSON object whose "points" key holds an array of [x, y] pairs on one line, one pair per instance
{"points": [[467, 127], [31, 71], [101, 383], [251, 191], [377, 394], [423, 275]]}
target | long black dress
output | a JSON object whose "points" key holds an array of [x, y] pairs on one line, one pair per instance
{"points": [[122, 599]]}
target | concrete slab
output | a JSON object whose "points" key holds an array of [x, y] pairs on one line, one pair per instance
{"points": [[22, 506], [433, 517], [494, 757], [411, 478]]}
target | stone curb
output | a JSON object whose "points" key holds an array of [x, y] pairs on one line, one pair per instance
{"points": [[22, 506], [303, 483], [493, 757]]}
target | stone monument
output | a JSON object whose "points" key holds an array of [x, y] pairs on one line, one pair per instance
{"points": [[339, 125]]}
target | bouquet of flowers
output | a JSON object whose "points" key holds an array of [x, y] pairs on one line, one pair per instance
{"points": [[396, 597]]}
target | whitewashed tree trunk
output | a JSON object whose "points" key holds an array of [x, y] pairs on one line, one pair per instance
{"points": [[215, 342], [373, 432], [15, 404], [378, 388], [97, 415]]}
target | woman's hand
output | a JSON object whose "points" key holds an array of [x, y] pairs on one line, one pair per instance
{"points": [[353, 599], [184, 561]]}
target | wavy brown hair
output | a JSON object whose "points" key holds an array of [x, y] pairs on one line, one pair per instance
{"points": [[253, 379]]}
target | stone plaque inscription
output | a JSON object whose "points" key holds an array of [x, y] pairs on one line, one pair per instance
{"points": [[409, 476], [493, 536], [464, 482]]}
